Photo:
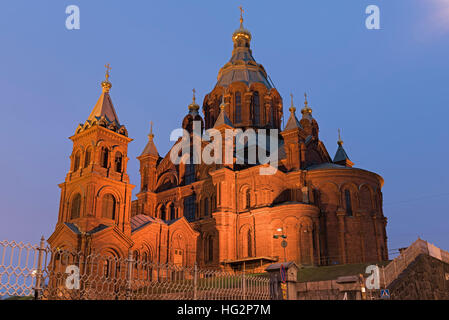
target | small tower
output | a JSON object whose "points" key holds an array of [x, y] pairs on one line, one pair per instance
{"points": [[96, 190], [309, 124], [341, 157], [148, 174], [293, 143]]}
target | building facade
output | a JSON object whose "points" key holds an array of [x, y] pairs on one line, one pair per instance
{"points": [[313, 210]]}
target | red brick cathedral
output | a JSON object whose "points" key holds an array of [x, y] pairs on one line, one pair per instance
{"points": [[225, 216]]}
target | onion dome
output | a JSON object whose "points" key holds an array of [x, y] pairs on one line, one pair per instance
{"points": [[306, 111], [242, 67], [193, 115]]}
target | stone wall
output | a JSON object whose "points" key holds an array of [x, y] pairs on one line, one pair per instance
{"points": [[426, 278]]}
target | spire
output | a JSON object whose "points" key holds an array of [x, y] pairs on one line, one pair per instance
{"points": [[292, 122], [339, 141], [306, 111], [104, 106], [150, 148], [341, 157]]}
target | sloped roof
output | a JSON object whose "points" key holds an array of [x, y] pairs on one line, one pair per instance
{"points": [[140, 221], [104, 107], [223, 120], [292, 122], [341, 154], [150, 149]]}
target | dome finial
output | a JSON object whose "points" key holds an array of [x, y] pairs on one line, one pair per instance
{"points": [[222, 104], [241, 16], [106, 85], [193, 105], [292, 107], [339, 142]]}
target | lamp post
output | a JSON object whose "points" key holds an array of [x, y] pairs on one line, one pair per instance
{"points": [[283, 242]]}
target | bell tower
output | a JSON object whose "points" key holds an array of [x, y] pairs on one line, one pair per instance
{"points": [[96, 191]]}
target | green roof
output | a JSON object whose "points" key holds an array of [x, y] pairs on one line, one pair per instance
{"points": [[310, 274]]}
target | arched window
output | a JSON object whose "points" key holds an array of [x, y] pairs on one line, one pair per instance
{"points": [[76, 164], [189, 207], [189, 174], [108, 207], [348, 203], [248, 199], [238, 107], [76, 207], [172, 212], [256, 105], [163, 214], [118, 162], [106, 268], [104, 157], [87, 158], [250, 243]]}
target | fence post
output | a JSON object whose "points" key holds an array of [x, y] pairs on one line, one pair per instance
{"points": [[195, 281], [37, 288], [244, 286], [129, 275]]}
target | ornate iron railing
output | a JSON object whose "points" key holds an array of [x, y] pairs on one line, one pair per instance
{"points": [[54, 274]]}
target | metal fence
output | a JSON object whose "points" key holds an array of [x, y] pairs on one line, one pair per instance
{"points": [[54, 274]]}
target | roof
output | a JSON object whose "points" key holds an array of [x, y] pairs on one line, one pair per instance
{"points": [[277, 266], [104, 107], [76, 230], [341, 154], [150, 148], [292, 122], [223, 120], [326, 165], [140, 221], [242, 67]]}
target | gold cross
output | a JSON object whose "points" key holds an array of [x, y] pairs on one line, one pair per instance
{"points": [[194, 91], [108, 68], [241, 14], [291, 95], [151, 127]]}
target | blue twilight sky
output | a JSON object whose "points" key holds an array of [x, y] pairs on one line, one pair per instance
{"points": [[387, 89]]}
